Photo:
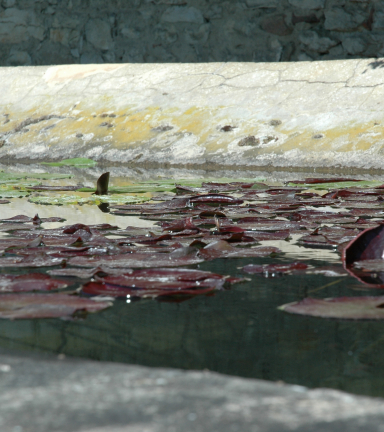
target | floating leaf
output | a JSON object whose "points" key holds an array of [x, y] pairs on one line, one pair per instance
{"points": [[339, 185], [133, 189], [222, 249], [30, 282], [29, 306], [179, 257], [92, 199], [75, 162], [52, 188], [156, 282], [16, 177], [341, 308]]}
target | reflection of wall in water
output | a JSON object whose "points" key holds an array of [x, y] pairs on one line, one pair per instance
{"points": [[141, 31], [237, 332]]}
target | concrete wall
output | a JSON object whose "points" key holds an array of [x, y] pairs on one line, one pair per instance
{"points": [[218, 115], [36, 32]]}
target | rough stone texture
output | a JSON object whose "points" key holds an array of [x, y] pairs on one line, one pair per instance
{"points": [[173, 115], [46, 394], [188, 31]]}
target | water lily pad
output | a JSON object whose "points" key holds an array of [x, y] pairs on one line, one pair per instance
{"points": [[342, 307], [6, 177], [92, 199], [134, 189], [156, 282], [30, 282], [76, 162], [29, 306], [339, 185], [13, 193]]}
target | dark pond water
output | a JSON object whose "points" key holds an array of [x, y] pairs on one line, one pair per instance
{"points": [[239, 331]]}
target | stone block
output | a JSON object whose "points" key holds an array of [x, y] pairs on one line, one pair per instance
{"points": [[65, 36], [19, 58], [262, 3], [8, 3], [378, 21], [354, 45], [65, 21], [19, 25], [310, 18], [316, 43], [275, 25], [199, 36], [176, 14], [340, 20], [98, 33], [91, 58], [307, 4], [270, 52]]}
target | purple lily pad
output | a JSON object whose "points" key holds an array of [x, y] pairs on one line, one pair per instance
{"points": [[30, 282], [223, 249], [156, 282], [179, 257], [29, 306], [355, 308]]}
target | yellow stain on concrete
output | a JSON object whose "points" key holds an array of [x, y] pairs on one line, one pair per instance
{"points": [[130, 127]]}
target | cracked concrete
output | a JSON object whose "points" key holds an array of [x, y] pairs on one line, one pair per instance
{"points": [[298, 115]]}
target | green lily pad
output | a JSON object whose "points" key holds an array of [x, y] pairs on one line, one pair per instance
{"points": [[163, 185], [339, 185], [13, 178], [134, 189], [92, 199], [15, 193], [76, 162]]}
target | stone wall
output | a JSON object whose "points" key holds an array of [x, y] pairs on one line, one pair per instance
{"points": [[44, 32]]}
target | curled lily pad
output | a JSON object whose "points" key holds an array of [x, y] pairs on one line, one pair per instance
{"points": [[341, 308], [29, 306], [367, 246], [92, 199], [102, 184]]}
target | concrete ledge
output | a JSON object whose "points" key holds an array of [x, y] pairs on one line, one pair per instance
{"points": [[45, 394], [308, 114]]}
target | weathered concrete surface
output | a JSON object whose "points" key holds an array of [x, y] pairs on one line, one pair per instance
{"points": [[44, 394], [308, 114]]}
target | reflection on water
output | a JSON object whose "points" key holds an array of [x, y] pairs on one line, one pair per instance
{"points": [[237, 332]]}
